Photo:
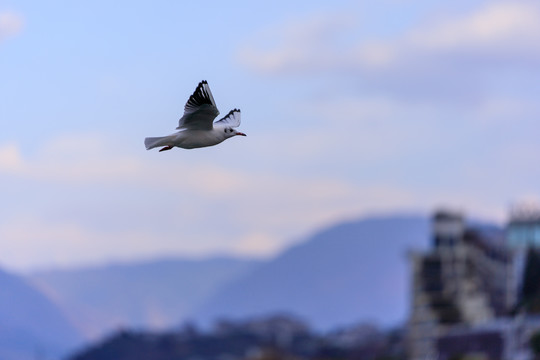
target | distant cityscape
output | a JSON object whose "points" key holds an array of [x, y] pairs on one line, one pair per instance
{"points": [[476, 293], [276, 337], [387, 287]]}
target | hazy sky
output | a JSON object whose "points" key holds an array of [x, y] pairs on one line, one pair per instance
{"points": [[351, 108]]}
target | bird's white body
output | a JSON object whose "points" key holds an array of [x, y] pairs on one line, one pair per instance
{"points": [[188, 139], [197, 128]]}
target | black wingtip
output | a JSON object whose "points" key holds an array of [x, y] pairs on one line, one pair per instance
{"points": [[232, 111], [204, 82], [200, 85], [200, 96]]}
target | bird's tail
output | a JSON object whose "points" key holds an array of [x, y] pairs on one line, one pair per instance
{"points": [[152, 142]]}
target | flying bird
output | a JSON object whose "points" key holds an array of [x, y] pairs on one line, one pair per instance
{"points": [[197, 126]]}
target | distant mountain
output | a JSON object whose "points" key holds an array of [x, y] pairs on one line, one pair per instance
{"points": [[350, 272], [31, 326], [354, 271], [152, 295]]}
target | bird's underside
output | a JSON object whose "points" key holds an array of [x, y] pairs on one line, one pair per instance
{"points": [[197, 126]]}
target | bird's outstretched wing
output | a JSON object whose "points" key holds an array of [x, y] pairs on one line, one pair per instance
{"points": [[232, 119], [200, 110]]}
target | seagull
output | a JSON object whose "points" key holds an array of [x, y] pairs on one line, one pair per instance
{"points": [[197, 126]]}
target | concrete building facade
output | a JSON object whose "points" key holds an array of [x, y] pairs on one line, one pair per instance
{"points": [[466, 280]]}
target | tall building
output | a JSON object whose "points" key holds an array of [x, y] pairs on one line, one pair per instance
{"points": [[466, 279], [522, 234], [523, 230]]}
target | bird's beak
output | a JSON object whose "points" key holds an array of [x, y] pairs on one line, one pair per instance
{"points": [[239, 133]]}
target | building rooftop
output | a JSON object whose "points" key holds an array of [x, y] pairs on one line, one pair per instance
{"points": [[525, 214], [442, 215]]}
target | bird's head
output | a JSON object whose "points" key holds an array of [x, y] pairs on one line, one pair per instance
{"points": [[230, 132]]}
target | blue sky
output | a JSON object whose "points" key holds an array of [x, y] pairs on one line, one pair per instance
{"points": [[351, 108]]}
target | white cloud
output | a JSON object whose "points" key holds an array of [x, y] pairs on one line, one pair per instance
{"points": [[109, 204], [68, 160], [30, 241], [84, 200], [505, 24], [11, 24], [257, 243], [499, 33], [10, 158], [307, 45]]}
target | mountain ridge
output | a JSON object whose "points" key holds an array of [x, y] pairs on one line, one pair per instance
{"points": [[30, 322], [155, 293], [353, 270], [313, 278]]}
